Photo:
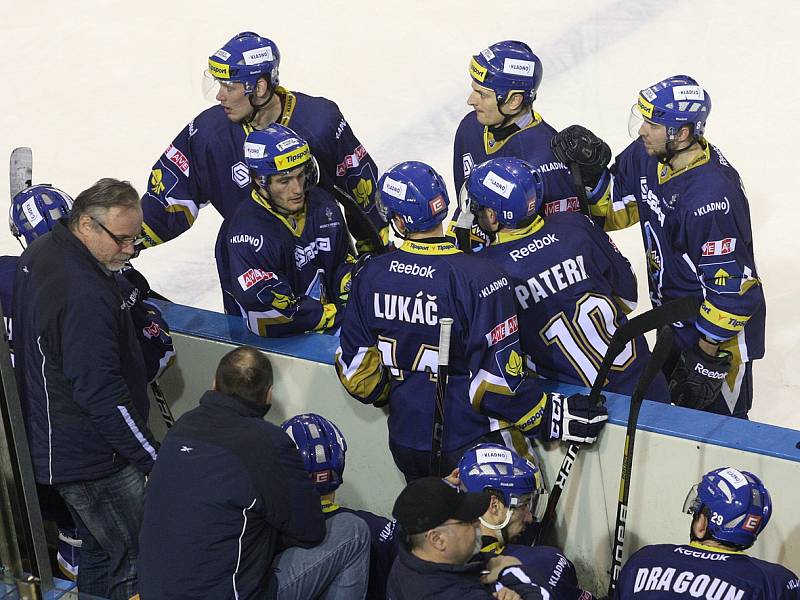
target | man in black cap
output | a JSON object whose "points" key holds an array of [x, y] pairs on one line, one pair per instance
{"points": [[440, 535]]}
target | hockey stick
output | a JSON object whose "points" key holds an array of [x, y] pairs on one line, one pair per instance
{"points": [[683, 309], [660, 353], [20, 170], [161, 400], [445, 326], [580, 189], [358, 221]]}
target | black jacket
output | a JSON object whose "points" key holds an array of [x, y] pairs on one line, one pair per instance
{"points": [[412, 578], [227, 493], [80, 371]]}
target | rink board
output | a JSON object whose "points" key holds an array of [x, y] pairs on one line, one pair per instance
{"points": [[674, 447]]}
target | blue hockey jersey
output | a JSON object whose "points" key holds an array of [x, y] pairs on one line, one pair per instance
{"points": [[284, 275], [573, 289], [546, 565], [205, 164], [696, 230], [384, 542], [389, 345], [691, 571], [475, 143]]}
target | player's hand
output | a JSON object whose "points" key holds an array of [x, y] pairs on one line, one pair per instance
{"points": [[574, 419], [576, 144], [497, 564], [453, 479], [347, 281], [698, 377], [506, 594]]}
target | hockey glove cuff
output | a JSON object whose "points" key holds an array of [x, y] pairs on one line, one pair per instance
{"points": [[574, 419], [576, 144], [697, 379]]}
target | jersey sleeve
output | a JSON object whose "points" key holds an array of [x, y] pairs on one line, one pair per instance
{"points": [[358, 360], [174, 190], [612, 203], [500, 386], [355, 172], [616, 269], [262, 288], [720, 246]]}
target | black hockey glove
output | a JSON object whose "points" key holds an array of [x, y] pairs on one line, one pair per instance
{"points": [[576, 144], [698, 377], [573, 419]]}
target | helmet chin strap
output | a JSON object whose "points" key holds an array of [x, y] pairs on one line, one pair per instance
{"points": [[671, 152], [499, 530], [257, 107]]}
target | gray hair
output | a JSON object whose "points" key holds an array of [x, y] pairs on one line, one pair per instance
{"points": [[104, 195]]}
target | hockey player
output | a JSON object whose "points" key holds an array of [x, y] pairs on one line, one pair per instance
{"points": [[518, 500], [205, 162], [729, 509], [390, 333], [323, 448], [285, 266], [695, 223], [505, 78], [573, 287]]}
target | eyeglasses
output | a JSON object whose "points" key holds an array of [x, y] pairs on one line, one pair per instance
{"points": [[121, 241]]}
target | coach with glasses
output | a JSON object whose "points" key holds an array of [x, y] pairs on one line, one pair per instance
{"points": [[82, 377]]}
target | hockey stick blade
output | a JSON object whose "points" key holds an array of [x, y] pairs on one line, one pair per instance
{"points": [[682, 309], [658, 357], [360, 218], [20, 170], [437, 439]]}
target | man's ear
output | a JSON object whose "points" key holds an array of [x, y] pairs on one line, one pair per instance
{"points": [[700, 526], [269, 396], [214, 384], [436, 539], [399, 224], [262, 88]]}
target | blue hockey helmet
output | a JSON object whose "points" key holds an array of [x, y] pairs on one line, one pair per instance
{"points": [[35, 210], [277, 149], [414, 191], [245, 59], [736, 504], [322, 447], [509, 186], [506, 68], [674, 102], [495, 467]]}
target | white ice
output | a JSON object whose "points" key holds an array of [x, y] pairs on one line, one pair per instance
{"points": [[99, 88]]}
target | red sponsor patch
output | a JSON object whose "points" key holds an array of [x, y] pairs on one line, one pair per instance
{"points": [[437, 205], [502, 330], [719, 247], [153, 329], [249, 278], [351, 160], [178, 159], [751, 523], [570, 204]]}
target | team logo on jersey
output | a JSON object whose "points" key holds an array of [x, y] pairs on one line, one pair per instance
{"points": [[719, 247], [157, 182], [514, 365], [362, 191], [725, 277], [467, 162], [178, 158], [501, 331], [240, 174], [282, 301], [253, 276]]}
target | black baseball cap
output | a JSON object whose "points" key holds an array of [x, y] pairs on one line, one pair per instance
{"points": [[428, 502]]}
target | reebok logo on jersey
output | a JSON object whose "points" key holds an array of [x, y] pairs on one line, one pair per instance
{"points": [[502, 330], [251, 277], [709, 373], [533, 246], [704, 555], [722, 205], [684, 583], [719, 247], [411, 269]]}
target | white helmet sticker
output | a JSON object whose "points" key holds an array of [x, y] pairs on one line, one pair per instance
{"points": [[649, 94], [487, 54], [734, 477], [519, 67], [494, 455], [281, 146], [224, 55], [688, 92], [257, 56], [394, 188], [252, 150], [32, 213], [497, 184]]}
